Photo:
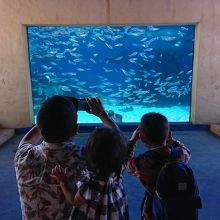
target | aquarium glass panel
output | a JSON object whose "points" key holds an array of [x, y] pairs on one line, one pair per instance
{"points": [[132, 69]]}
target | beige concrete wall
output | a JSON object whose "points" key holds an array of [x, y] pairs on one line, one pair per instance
{"points": [[15, 99]]}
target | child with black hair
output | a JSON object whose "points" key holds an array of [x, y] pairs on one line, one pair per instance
{"points": [[99, 194], [155, 133]]}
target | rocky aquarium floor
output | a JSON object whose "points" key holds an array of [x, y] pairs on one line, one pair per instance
{"points": [[134, 113]]}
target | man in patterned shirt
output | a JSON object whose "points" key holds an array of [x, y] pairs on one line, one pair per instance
{"points": [[40, 195]]}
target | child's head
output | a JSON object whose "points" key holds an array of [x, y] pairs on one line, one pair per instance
{"points": [[57, 119], [105, 151], [154, 128]]}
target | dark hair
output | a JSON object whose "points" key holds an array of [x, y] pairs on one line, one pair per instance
{"points": [[155, 127], [105, 152], [56, 119]]}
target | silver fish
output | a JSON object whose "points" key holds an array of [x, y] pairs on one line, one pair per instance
{"points": [[109, 46], [107, 70], [133, 54], [133, 60], [119, 58], [65, 88], [119, 45], [92, 60]]}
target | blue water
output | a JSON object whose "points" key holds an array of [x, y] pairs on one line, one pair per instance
{"points": [[133, 69]]}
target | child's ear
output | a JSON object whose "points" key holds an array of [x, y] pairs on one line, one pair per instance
{"points": [[169, 136], [75, 129], [143, 138]]}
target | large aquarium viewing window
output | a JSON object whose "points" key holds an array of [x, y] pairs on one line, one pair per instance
{"points": [[132, 69]]}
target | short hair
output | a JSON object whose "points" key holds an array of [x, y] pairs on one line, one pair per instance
{"points": [[105, 151], [155, 127], [56, 119]]}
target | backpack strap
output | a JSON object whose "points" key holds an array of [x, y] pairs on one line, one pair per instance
{"points": [[176, 154]]}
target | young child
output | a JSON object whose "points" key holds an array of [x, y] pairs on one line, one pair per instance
{"points": [[154, 132], [99, 194]]}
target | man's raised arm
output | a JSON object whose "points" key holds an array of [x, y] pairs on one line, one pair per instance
{"points": [[97, 109]]}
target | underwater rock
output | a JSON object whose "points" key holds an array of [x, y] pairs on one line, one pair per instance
{"points": [[118, 118], [115, 116], [126, 109], [111, 113]]}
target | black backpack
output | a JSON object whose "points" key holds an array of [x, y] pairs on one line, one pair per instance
{"points": [[177, 195]]}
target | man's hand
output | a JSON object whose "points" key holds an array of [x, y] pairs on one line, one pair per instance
{"points": [[136, 135], [95, 105], [97, 109], [59, 174]]}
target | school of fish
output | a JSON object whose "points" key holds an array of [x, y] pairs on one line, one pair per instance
{"points": [[123, 65]]}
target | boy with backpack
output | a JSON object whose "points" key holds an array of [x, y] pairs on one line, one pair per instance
{"points": [[154, 132]]}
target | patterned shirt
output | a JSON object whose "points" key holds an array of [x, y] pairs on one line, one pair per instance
{"points": [[40, 195], [105, 199]]}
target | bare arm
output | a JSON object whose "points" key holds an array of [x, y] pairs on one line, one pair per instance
{"points": [[97, 109], [33, 136], [60, 175], [108, 122], [132, 142], [130, 160], [76, 200]]}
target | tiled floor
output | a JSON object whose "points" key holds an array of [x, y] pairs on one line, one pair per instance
{"points": [[205, 162]]}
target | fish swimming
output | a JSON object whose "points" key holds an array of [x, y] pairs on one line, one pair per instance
{"points": [[133, 60], [123, 65], [119, 58], [133, 54]]}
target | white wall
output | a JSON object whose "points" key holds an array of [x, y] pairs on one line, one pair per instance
{"points": [[15, 93]]}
